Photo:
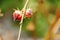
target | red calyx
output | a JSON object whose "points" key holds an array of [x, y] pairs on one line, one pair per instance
{"points": [[17, 15], [28, 13]]}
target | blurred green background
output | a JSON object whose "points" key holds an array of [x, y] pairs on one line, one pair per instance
{"points": [[41, 24]]}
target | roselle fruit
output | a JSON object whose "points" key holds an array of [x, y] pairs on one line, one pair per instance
{"points": [[17, 15], [28, 13]]}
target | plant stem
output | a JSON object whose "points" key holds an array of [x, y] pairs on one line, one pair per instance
{"points": [[23, 11], [25, 6], [20, 28]]}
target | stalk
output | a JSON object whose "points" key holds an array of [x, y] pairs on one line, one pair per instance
{"points": [[23, 11]]}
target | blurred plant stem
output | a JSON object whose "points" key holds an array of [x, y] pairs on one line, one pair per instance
{"points": [[52, 26]]}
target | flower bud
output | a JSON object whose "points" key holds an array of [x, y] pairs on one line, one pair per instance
{"points": [[17, 15], [28, 13]]}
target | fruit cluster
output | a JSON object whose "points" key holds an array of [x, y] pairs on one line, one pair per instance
{"points": [[17, 14]]}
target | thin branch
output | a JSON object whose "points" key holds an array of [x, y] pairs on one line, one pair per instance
{"points": [[25, 6], [23, 10]]}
